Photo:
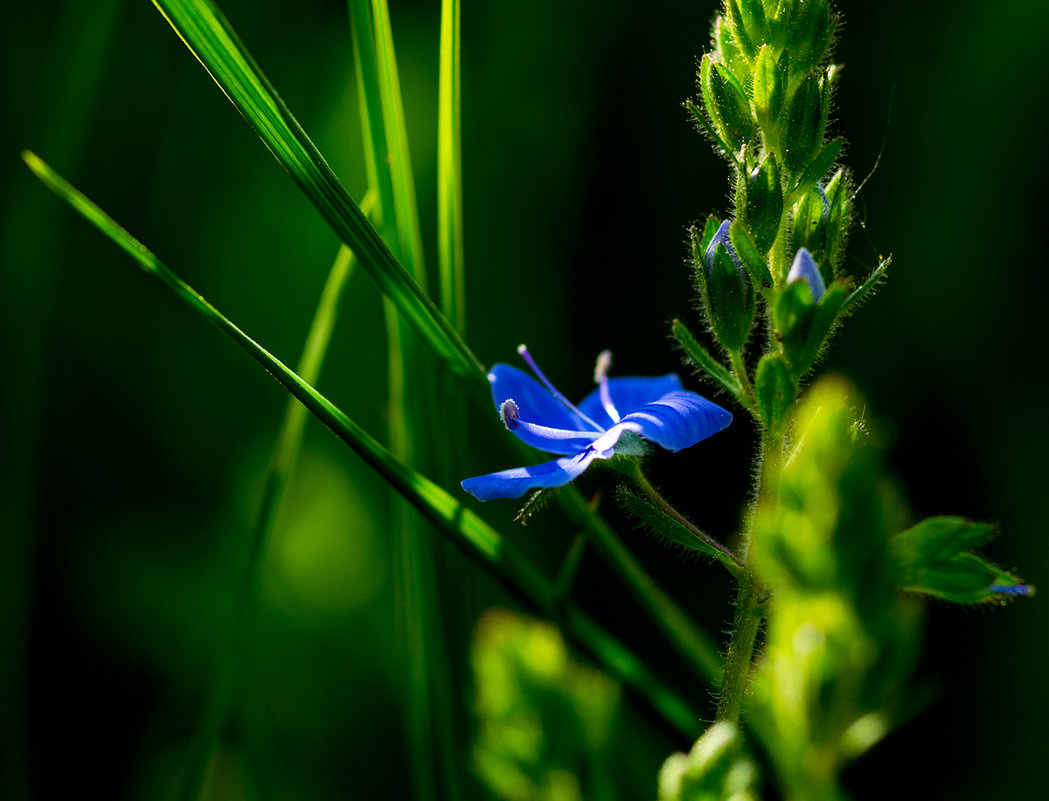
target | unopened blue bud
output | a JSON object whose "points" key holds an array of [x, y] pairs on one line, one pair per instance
{"points": [[721, 237], [805, 269]]}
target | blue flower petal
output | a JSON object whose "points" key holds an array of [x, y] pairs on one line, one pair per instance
{"points": [[628, 394], [804, 268], [516, 482], [537, 405], [679, 420]]}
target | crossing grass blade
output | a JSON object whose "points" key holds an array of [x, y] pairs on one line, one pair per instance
{"points": [[456, 522], [209, 36], [426, 682]]}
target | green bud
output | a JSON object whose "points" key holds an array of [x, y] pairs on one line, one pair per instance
{"points": [[806, 121], [714, 769], [775, 386], [726, 103], [809, 32], [750, 258], [935, 559], [728, 48], [820, 165], [802, 325], [726, 293], [740, 33], [810, 223], [761, 203], [839, 216], [769, 86]]}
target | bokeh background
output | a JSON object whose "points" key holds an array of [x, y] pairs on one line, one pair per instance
{"points": [[136, 436]]}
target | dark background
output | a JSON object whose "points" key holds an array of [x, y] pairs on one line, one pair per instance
{"points": [[136, 436]]}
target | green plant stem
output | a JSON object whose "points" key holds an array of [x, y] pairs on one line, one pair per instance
{"points": [[751, 590], [740, 652], [740, 369]]}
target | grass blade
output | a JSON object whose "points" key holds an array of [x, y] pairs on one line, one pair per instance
{"points": [[456, 522], [450, 171], [213, 41], [427, 683]]}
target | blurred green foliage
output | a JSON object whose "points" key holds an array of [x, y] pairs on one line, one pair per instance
{"points": [[137, 438]]}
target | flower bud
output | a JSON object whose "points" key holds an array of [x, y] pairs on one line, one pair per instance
{"points": [[809, 32], [726, 103], [761, 202], [726, 291], [806, 122], [769, 86], [805, 312]]}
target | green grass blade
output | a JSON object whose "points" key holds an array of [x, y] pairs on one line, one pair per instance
{"points": [[426, 683], [212, 40], [459, 524], [450, 171], [406, 209]]}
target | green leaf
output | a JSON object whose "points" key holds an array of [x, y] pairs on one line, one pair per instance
{"points": [[775, 387], [212, 40], [461, 526], [667, 528], [862, 293], [701, 358], [935, 559]]}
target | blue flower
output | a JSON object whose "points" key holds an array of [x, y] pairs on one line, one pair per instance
{"points": [[618, 417], [805, 269]]}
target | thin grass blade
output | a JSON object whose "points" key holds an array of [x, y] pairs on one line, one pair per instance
{"points": [[213, 41], [456, 522], [451, 262]]}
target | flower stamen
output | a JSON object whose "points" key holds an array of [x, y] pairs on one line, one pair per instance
{"points": [[523, 351], [604, 363]]}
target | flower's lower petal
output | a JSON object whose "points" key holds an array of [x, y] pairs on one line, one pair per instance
{"points": [[537, 405], [516, 482], [628, 393], [678, 420]]}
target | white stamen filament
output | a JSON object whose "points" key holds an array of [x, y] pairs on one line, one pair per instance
{"points": [[523, 351], [604, 363]]}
